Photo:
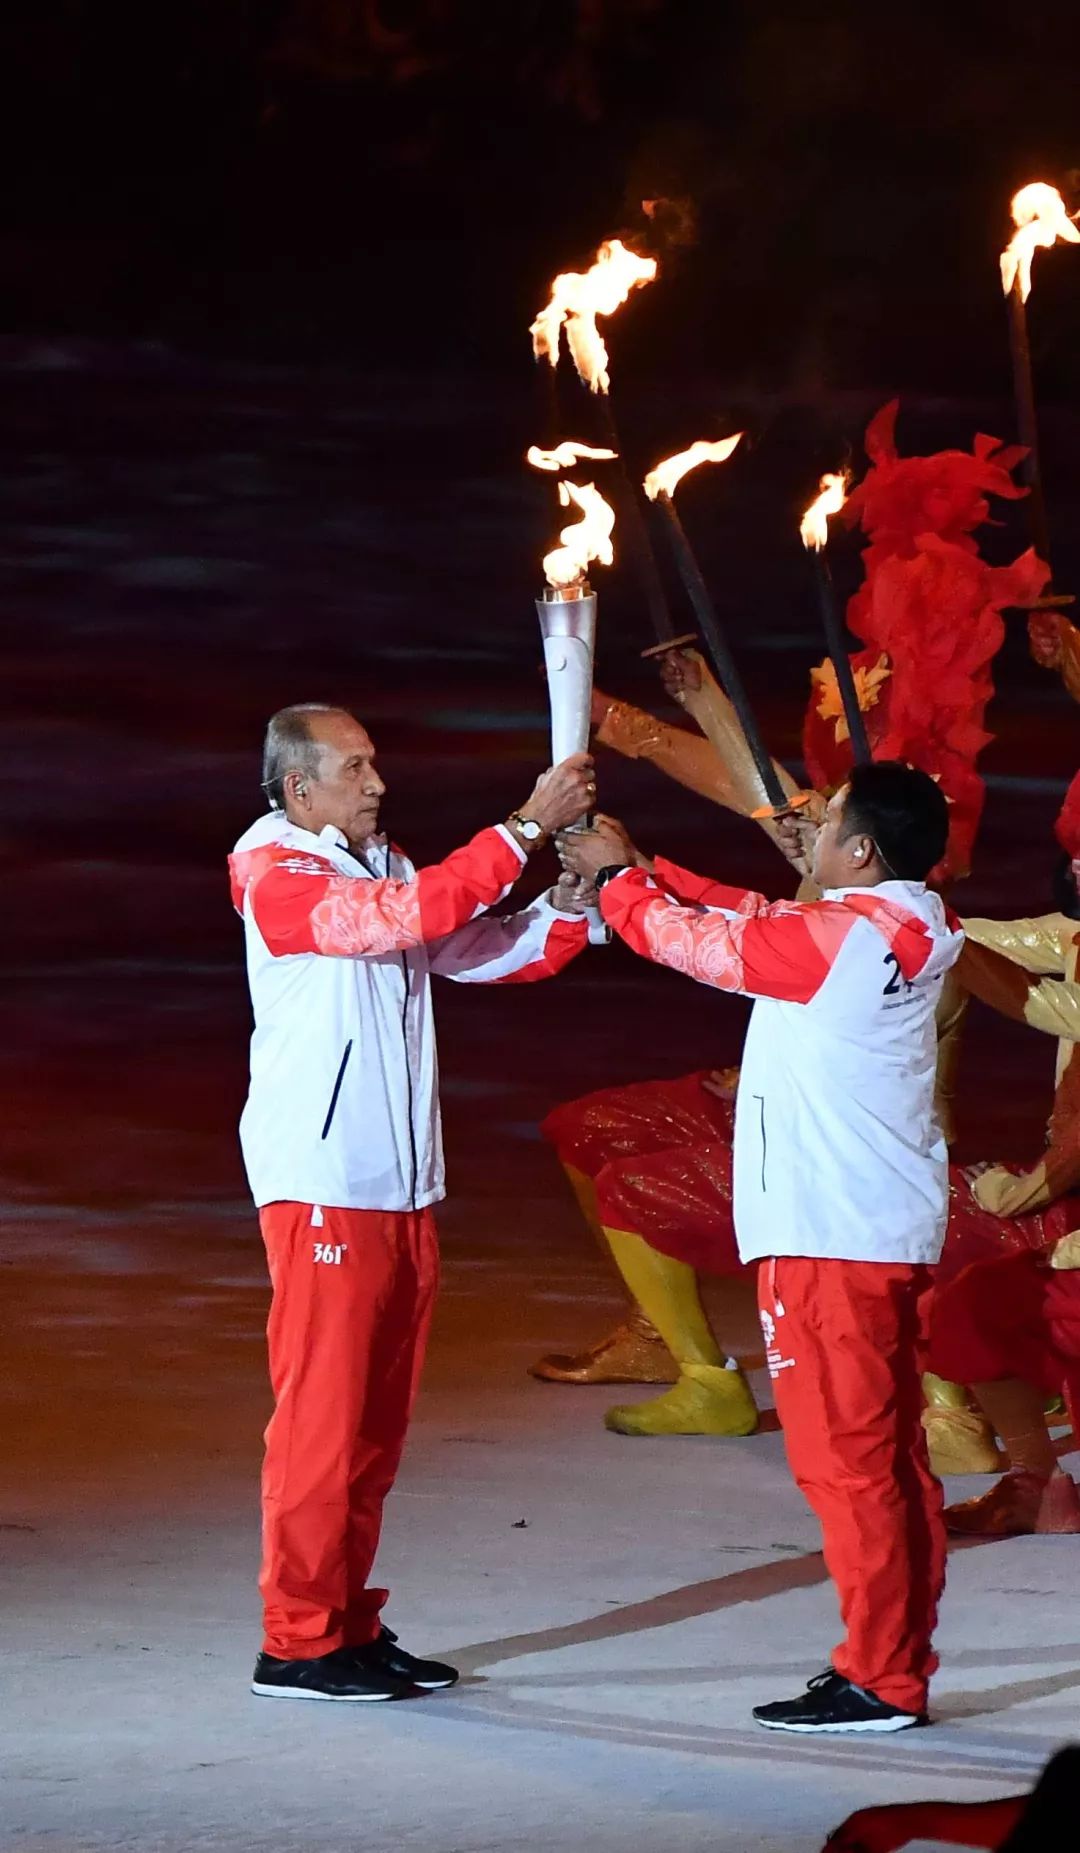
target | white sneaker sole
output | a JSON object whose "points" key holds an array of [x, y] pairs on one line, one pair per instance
{"points": [[327, 1698], [888, 1725]]}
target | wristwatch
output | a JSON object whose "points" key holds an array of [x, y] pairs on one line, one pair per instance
{"points": [[609, 872], [526, 827]]}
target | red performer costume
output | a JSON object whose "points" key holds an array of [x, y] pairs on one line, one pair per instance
{"points": [[342, 1144], [659, 1156], [1007, 1306]]}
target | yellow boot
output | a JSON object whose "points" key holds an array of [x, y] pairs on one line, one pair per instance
{"points": [[711, 1396], [960, 1438], [633, 1353], [709, 1399]]}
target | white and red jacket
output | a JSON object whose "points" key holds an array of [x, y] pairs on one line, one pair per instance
{"points": [[343, 1107], [838, 1153]]}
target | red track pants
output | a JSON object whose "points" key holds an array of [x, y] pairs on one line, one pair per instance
{"points": [[353, 1297], [845, 1343]]}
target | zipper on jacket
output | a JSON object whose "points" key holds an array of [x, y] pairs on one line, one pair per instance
{"points": [[760, 1098], [409, 1083], [404, 1037], [337, 1089]]}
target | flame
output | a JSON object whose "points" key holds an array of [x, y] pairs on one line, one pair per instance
{"points": [[1038, 212], [584, 540], [564, 456], [666, 477], [578, 298], [814, 526], [869, 682]]}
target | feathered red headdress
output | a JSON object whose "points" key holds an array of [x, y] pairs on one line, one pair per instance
{"points": [[929, 615]]}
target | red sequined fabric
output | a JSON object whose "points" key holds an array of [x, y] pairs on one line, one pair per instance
{"points": [[976, 1236], [659, 1154]]}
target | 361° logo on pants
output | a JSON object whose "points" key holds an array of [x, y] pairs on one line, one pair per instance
{"points": [[331, 1252]]}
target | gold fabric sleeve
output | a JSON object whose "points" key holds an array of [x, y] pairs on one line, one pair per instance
{"points": [[1039, 945], [682, 755], [1057, 1172]]}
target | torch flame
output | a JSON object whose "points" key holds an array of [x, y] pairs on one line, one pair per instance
{"points": [[666, 477], [584, 540], [578, 298], [1039, 214], [564, 456], [814, 526]]}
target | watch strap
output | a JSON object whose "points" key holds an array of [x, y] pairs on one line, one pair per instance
{"points": [[609, 872], [529, 827]]}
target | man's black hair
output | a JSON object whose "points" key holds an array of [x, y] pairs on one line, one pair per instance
{"points": [[905, 813]]}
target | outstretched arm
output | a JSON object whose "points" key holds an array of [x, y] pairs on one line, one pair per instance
{"points": [[720, 766], [746, 944], [1040, 944], [1055, 644], [515, 948], [1058, 1170], [1000, 964], [302, 904], [690, 682], [681, 755]]}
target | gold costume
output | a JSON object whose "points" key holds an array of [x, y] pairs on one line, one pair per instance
{"points": [[1027, 970]]}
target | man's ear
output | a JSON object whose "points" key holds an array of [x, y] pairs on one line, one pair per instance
{"points": [[295, 786]]}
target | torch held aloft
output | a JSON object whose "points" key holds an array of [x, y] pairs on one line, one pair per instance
{"points": [[567, 617]]}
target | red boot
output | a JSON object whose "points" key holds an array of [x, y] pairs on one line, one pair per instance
{"points": [[1021, 1504]]}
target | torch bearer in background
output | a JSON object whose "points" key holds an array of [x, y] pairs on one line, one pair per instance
{"points": [[814, 529], [567, 613], [1038, 212]]}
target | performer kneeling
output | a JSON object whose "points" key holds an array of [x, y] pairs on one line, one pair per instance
{"points": [[840, 1188], [343, 1151]]}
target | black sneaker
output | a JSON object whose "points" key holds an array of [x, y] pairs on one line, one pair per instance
{"points": [[334, 1676], [832, 1703], [383, 1657]]}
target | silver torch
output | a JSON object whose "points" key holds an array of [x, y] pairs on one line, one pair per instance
{"points": [[567, 617], [567, 614]]}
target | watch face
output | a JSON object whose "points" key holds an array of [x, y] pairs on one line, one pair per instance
{"points": [[530, 829]]}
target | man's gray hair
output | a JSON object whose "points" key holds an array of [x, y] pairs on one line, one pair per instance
{"points": [[289, 747]]}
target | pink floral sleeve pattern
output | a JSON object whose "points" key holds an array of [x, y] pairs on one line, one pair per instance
{"points": [[777, 949], [358, 919], [302, 904]]}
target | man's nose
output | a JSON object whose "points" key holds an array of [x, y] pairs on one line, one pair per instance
{"points": [[375, 786]]}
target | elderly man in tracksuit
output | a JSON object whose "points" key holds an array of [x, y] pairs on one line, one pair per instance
{"points": [[840, 1188], [342, 1144]]}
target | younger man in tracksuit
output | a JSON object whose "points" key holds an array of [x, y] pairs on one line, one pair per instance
{"points": [[841, 1189]]}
